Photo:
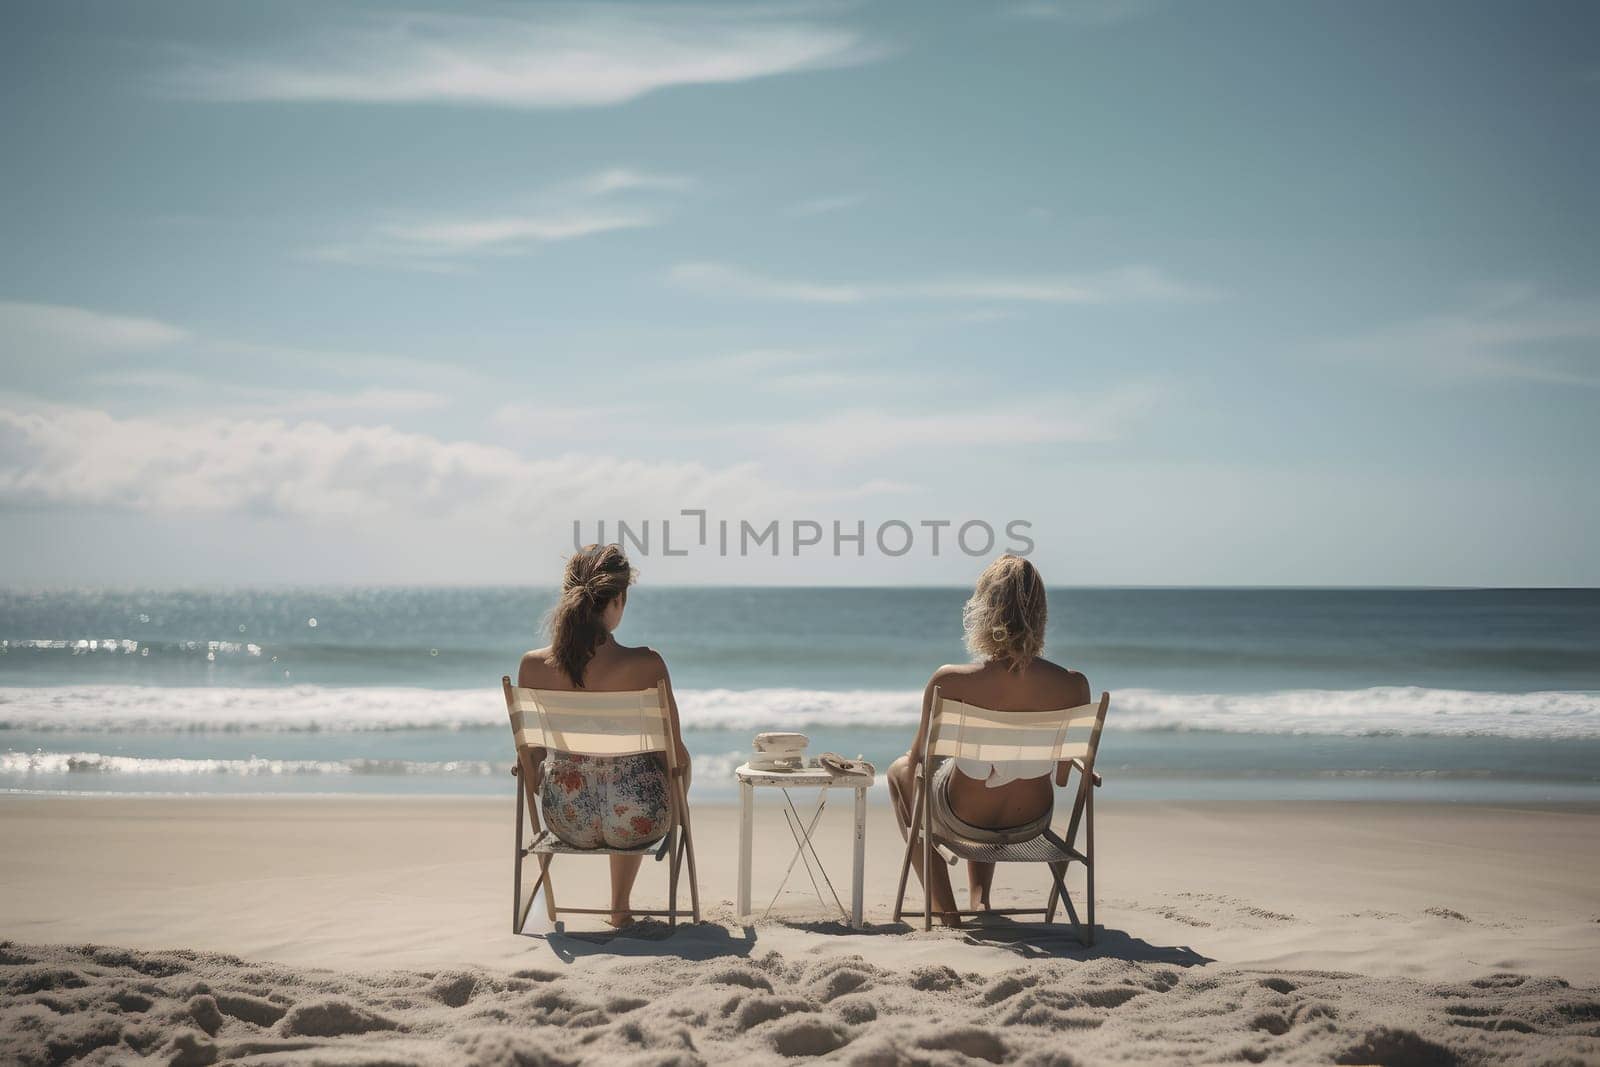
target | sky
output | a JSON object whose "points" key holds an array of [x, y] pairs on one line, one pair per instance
{"points": [[1198, 294]]}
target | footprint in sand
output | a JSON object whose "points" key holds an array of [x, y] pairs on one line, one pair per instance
{"points": [[251, 1009], [1400, 1048], [812, 1035], [934, 978], [971, 1041], [757, 1010], [333, 1018], [739, 976], [855, 1009]]}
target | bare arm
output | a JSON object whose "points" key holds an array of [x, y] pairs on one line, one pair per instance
{"points": [[920, 744], [1080, 698], [672, 718], [530, 758]]}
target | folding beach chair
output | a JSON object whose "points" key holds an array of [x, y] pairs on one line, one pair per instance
{"points": [[957, 730], [595, 724]]}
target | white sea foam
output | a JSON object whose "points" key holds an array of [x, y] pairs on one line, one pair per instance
{"points": [[713, 767], [1391, 709], [102, 763]]}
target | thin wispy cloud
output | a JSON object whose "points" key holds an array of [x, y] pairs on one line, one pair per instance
{"points": [[568, 211], [1082, 12], [567, 56], [720, 279], [741, 365], [36, 329], [1126, 284], [154, 365], [1507, 332], [174, 390], [625, 179], [74, 456], [865, 431], [778, 370], [441, 245]]}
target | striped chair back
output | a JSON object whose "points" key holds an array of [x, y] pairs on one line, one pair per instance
{"points": [[965, 731], [588, 723]]}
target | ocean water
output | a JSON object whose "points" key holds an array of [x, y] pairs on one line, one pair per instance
{"points": [[1446, 695]]}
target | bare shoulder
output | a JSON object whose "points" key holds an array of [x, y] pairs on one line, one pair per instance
{"points": [[956, 679], [535, 671], [1070, 684], [952, 671], [644, 663]]}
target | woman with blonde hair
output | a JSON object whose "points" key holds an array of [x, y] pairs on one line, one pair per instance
{"points": [[1005, 622], [594, 801]]}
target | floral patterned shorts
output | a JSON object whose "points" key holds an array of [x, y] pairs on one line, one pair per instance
{"points": [[610, 801]]}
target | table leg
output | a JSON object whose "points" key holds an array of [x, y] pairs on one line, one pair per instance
{"points": [[746, 830], [860, 857]]}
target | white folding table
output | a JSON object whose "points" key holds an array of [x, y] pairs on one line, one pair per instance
{"points": [[807, 778]]}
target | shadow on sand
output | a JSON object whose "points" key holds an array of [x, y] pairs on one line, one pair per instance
{"points": [[711, 940], [689, 941], [1028, 940], [1038, 941]]}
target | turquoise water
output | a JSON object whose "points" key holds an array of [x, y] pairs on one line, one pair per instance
{"points": [[1404, 694]]}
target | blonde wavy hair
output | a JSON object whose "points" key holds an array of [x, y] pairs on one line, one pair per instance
{"points": [[1005, 617]]}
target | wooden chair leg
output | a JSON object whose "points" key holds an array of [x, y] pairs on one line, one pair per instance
{"points": [[672, 878], [549, 887], [911, 843], [521, 919], [927, 857], [688, 852], [1060, 876], [1088, 868], [1055, 891], [516, 868]]}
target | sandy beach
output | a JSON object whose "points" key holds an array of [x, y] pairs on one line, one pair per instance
{"points": [[376, 930]]}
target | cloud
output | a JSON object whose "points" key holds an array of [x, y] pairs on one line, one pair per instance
{"points": [[570, 212], [84, 457], [824, 205], [65, 351], [776, 370], [1083, 12], [1127, 284], [863, 432], [568, 56], [26, 329], [440, 245], [810, 381], [623, 179], [719, 279], [1506, 332], [179, 389]]}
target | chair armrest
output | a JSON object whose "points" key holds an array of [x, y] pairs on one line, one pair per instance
{"points": [[1077, 761]]}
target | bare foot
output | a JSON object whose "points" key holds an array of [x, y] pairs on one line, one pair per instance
{"points": [[952, 921], [619, 919], [980, 900]]}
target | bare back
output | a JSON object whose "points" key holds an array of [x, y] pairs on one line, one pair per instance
{"points": [[1040, 686], [614, 669]]}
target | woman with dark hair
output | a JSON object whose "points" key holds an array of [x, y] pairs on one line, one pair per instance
{"points": [[595, 801], [1004, 621]]}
